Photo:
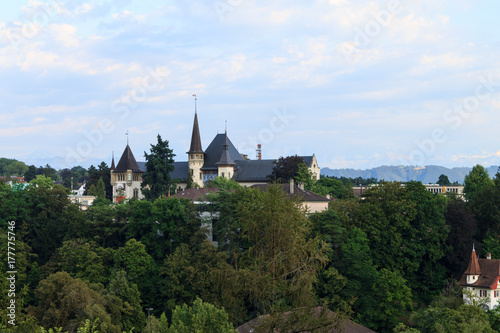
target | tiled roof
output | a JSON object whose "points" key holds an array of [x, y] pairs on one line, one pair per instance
{"points": [[489, 274], [225, 157], [127, 162], [305, 195], [195, 138], [181, 170], [253, 170], [473, 268], [347, 326], [196, 194], [214, 152]]}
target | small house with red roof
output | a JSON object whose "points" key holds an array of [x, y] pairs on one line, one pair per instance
{"points": [[481, 280]]}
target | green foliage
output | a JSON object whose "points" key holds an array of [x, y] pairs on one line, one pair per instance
{"points": [[223, 183], [477, 178], [463, 228], [466, 318], [199, 270], [202, 317], [286, 168], [159, 164], [100, 190], [30, 174], [11, 167], [443, 180], [325, 186], [140, 267], [42, 181], [305, 176], [281, 264], [66, 302], [83, 260]]}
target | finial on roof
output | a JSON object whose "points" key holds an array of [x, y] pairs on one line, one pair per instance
{"points": [[195, 107], [112, 160], [473, 249], [127, 137]]}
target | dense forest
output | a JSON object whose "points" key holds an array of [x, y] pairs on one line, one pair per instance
{"points": [[389, 261]]}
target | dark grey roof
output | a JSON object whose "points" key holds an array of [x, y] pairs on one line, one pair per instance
{"points": [[195, 138], [214, 152], [225, 158], [253, 170], [127, 162], [307, 160], [181, 170]]}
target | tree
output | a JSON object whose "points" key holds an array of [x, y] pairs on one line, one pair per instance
{"points": [[67, 302], [223, 183], [30, 174], [477, 178], [285, 168], [100, 189], [325, 186], [42, 181], [159, 164], [443, 180], [305, 176], [201, 317], [280, 266]]}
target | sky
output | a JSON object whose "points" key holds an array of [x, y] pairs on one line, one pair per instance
{"points": [[359, 84]]}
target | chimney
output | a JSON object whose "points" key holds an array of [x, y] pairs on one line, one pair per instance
{"points": [[488, 256], [292, 186], [301, 186]]}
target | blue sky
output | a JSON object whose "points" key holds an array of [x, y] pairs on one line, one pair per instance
{"points": [[359, 83]]}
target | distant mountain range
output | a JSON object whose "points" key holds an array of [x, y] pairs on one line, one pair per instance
{"points": [[427, 175]]}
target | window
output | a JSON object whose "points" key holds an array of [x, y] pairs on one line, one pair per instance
{"points": [[136, 193], [483, 293], [496, 293]]}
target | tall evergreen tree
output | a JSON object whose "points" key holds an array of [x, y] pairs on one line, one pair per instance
{"points": [[159, 164]]}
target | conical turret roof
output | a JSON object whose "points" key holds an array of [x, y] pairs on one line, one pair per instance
{"points": [[195, 138], [128, 162], [473, 268]]}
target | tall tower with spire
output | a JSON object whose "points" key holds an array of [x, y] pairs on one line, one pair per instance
{"points": [[225, 166], [196, 155]]}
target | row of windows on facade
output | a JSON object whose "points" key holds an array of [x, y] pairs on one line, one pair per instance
{"points": [[484, 293], [122, 177], [439, 190]]}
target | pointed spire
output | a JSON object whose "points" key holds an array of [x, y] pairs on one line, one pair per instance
{"points": [[195, 137], [113, 161], [128, 162], [473, 268], [225, 158]]}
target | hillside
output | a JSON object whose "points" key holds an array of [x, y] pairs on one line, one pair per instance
{"points": [[426, 175]]}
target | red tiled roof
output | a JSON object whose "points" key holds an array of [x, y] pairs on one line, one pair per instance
{"points": [[489, 272], [473, 268], [196, 194]]}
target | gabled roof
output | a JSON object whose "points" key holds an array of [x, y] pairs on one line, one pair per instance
{"points": [[180, 171], [487, 269], [127, 162], [304, 195], [214, 152], [195, 138]]}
